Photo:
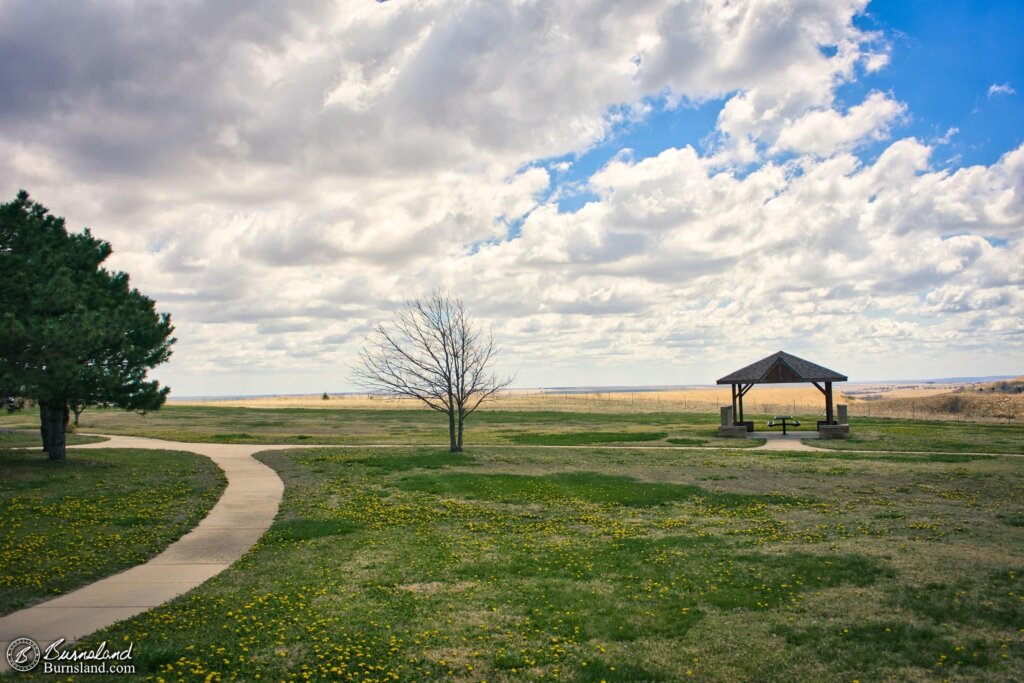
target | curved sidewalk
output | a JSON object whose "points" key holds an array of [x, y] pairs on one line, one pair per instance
{"points": [[244, 512]]}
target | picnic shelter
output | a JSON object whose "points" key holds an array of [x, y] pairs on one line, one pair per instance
{"points": [[781, 368]]}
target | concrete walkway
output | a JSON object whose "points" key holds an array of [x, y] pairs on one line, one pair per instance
{"points": [[775, 441], [244, 512]]}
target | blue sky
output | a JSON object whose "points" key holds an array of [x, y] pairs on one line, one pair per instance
{"points": [[945, 58], [666, 126], [841, 181]]}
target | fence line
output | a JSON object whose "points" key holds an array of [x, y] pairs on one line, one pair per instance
{"points": [[595, 402]]}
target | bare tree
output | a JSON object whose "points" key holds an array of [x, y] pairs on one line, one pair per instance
{"points": [[433, 352]]}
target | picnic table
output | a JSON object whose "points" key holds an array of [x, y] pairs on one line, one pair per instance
{"points": [[783, 421]]}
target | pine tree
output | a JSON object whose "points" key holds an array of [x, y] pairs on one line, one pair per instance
{"points": [[72, 332]]}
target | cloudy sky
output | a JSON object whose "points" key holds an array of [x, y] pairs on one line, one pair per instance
{"points": [[644, 192]]}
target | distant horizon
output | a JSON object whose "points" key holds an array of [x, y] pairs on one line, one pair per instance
{"points": [[612, 388]]}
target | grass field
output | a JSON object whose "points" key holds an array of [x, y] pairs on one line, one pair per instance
{"points": [[410, 426], [66, 524], [198, 423], [590, 564], [26, 438], [926, 435], [902, 400], [548, 551]]}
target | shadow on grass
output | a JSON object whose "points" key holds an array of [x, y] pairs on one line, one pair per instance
{"points": [[582, 438], [685, 441], [308, 529], [892, 645], [865, 455], [979, 602], [24, 438], [587, 486], [426, 461]]}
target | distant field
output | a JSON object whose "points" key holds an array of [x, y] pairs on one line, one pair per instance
{"points": [[964, 405], [424, 427], [532, 400], [202, 423], [587, 564], [905, 400], [535, 399], [392, 426]]}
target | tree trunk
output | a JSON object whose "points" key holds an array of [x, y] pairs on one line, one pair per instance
{"points": [[455, 445], [44, 426], [55, 418], [461, 420]]}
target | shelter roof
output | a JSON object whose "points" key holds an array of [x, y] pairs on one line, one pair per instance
{"points": [[780, 368]]}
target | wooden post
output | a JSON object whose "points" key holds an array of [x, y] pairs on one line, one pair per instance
{"points": [[734, 414], [828, 402]]}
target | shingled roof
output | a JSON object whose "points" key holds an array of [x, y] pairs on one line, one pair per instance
{"points": [[780, 368]]}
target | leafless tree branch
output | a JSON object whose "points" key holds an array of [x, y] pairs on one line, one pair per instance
{"points": [[433, 352]]}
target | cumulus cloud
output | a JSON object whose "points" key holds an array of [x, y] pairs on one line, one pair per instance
{"points": [[278, 175], [852, 258], [824, 131]]}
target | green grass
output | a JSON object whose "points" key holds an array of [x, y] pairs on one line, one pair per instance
{"points": [[882, 457], [970, 602], [214, 424], [66, 524], [308, 529], [28, 439], [685, 441], [590, 564], [423, 460], [425, 427], [583, 438], [880, 434], [592, 487], [893, 644]]}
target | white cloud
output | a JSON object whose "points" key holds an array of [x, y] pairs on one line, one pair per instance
{"points": [[278, 175], [946, 137], [1001, 89], [824, 131], [849, 255], [876, 61]]}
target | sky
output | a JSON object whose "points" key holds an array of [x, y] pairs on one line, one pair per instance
{"points": [[643, 193]]}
